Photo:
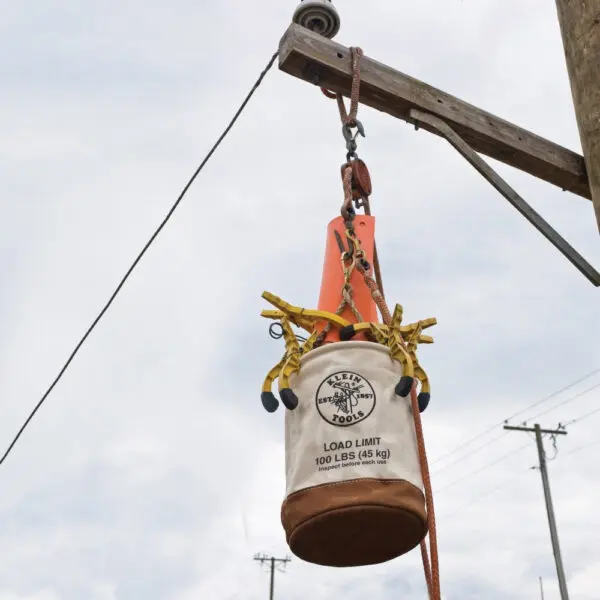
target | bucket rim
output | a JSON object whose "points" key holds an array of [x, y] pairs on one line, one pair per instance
{"points": [[333, 346]]}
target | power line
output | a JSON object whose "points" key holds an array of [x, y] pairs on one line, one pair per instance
{"points": [[580, 448], [467, 443], [567, 401], [485, 494], [583, 417], [493, 427], [503, 485], [471, 453], [553, 395], [141, 254], [483, 468]]}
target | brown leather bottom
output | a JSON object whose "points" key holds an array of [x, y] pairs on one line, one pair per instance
{"points": [[354, 523]]}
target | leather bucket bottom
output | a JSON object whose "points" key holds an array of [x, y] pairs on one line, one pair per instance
{"points": [[354, 523]]}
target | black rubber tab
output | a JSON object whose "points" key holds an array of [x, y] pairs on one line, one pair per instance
{"points": [[423, 399], [347, 333], [269, 401], [404, 386], [289, 399]]}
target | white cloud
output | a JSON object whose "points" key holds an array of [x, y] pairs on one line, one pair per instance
{"points": [[152, 470]]}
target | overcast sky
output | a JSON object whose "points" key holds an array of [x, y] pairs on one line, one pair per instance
{"points": [[152, 472]]}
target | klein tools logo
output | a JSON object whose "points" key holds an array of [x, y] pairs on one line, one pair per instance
{"points": [[345, 398]]}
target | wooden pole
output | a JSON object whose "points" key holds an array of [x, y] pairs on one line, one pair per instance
{"points": [[273, 563], [580, 27]]}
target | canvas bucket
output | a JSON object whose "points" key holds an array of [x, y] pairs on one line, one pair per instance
{"points": [[353, 480]]}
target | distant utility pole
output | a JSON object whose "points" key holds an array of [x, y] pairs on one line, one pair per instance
{"points": [[274, 562], [562, 582]]}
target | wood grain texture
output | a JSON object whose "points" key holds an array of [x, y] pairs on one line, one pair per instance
{"points": [[323, 62], [580, 27]]}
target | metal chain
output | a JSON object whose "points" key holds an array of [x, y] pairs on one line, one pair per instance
{"points": [[351, 259], [376, 266], [347, 299], [362, 264]]}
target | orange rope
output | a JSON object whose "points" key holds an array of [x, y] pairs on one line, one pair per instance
{"points": [[431, 566], [432, 572], [431, 569], [426, 567], [349, 118], [330, 95]]}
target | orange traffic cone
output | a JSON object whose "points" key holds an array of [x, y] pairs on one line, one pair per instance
{"points": [[332, 280]]}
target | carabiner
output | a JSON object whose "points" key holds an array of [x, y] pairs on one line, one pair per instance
{"points": [[351, 145]]}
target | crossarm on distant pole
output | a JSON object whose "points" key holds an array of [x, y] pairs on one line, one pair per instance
{"points": [[311, 57], [533, 430]]}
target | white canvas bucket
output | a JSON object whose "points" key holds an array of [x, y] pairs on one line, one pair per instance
{"points": [[353, 480]]}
